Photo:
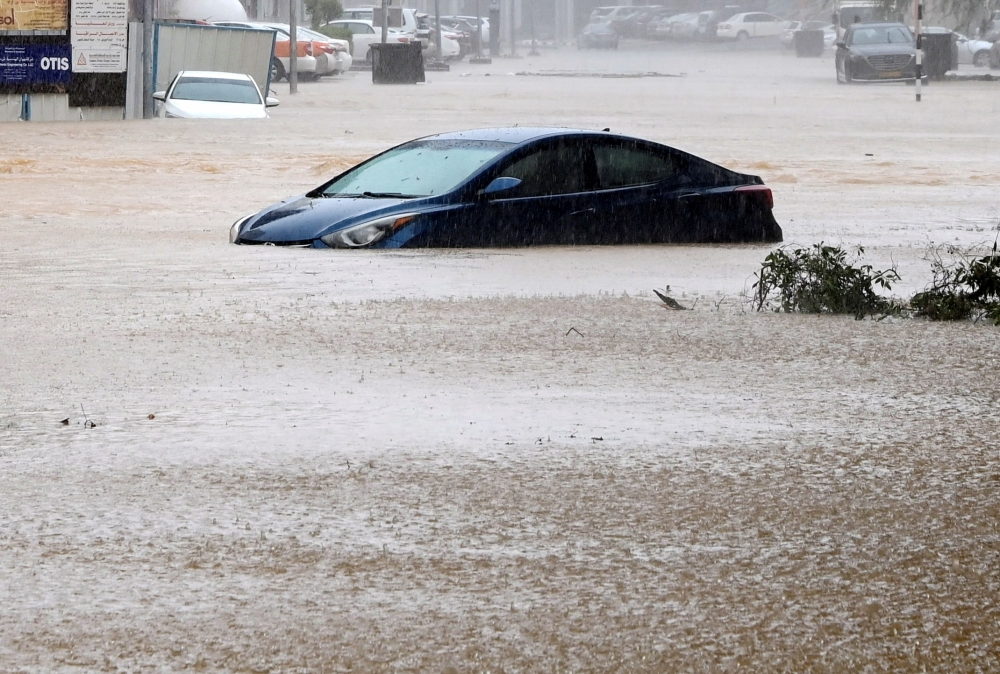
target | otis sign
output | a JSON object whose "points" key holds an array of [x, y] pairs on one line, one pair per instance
{"points": [[28, 64]]}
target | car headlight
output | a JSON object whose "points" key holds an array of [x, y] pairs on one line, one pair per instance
{"points": [[367, 233], [234, 231]]}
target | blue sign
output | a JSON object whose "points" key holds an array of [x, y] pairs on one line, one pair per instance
{"points": [[35, 63]]}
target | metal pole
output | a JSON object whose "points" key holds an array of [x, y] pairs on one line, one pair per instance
{"points": [[513, 37], [437, 30], [534, 48], [479, 27], [293, 30], [148, 104], [385, 21], [919, 10]]}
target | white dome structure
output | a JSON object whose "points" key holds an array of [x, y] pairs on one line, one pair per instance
{"points": [[204, 10]]}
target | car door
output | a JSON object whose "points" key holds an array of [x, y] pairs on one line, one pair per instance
{"points": [[771, 25], [642, 190], [362, 35], [553, 203], [654, 194]]}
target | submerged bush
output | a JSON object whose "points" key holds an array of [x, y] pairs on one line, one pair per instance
{"points": [[822, 279], [964, 287]]}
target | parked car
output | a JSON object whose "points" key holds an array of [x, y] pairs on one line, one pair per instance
{"points": [[995, 55], [663, 29], [788, 35], [364, 35], [597, 36], [876, 52], [450, 49], [829, 32], [521, 187], [471, 20], [685, 28], [305, 62], [335, 59], [635, 25], [970, 52], [206, 94], [749, 25]]}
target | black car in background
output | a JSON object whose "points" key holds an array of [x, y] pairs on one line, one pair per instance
{"points": [[876, 52]]}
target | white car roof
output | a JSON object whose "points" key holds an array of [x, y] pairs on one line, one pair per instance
{"points": [[218, 74]]}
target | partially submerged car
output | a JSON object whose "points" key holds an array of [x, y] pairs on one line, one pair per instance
{"points": [[521, 187], [880, 52], [206, 94]]}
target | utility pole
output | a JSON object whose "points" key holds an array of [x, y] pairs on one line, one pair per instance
{"points": [[293, 29], [437, 30], [385, 21], [513, 37], [479, 58], [918, 9], [148, 104]]}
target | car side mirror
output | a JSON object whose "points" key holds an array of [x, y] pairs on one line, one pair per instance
{"points": [[501, 184], [160, 96], [272, 102]]}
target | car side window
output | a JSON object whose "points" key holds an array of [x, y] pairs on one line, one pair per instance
{"points": [[625, 164], [562, 167]]}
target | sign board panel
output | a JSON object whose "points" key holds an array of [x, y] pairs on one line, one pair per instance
{"points": [[28, 15], [27, 64], [99, 35]]}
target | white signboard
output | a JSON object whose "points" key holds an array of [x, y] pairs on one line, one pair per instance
{"points": [[99, 34]]}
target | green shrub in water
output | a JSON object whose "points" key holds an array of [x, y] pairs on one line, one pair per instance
{"points": [[822, 279]]}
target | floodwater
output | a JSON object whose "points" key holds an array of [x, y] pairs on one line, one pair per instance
{"points": [[518, 461]]}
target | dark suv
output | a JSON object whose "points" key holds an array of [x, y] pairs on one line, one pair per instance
{"points": [[880, 52]]}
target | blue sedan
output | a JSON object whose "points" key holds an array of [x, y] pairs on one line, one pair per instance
{"points": [[521, 187]]}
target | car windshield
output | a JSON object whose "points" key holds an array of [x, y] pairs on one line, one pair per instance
{"points": [[216, 90], [421, 168], [882, 35]]}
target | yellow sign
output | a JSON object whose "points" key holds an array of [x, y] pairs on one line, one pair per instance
{"points": [[33, 15]]}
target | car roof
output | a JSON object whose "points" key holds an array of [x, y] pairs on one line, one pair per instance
{"points": [[218, 74], [513, 134], [876, 23]]}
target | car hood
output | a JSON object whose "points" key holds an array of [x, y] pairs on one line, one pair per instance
{"points": [[213, 110], [303, 219], [882, 49]]}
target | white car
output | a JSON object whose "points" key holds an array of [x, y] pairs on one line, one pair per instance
{"points": [[750, 25], [336, 59], [970, 52], [364, 35], [206, 94], [976, 52], [471, 20]]}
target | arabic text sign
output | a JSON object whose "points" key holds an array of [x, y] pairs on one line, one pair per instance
{"points": [[99, 35], [34, 64]]}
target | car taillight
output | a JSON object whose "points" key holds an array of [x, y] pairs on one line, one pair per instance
{"points": [[724, 26], [762, 191], [403, 38]]}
